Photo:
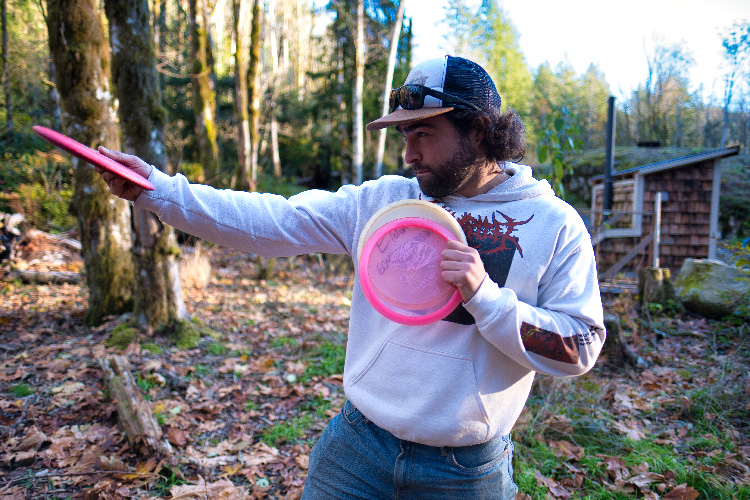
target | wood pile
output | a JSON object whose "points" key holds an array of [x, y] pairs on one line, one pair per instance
{"points": [[35, 256]]}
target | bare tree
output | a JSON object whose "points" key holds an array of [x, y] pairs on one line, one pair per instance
{"points": [[80, 52], [392, 53], [357, 104], [273, 38], [663, 92], [736, 53]]}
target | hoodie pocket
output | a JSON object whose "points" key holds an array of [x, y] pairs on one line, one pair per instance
{"points": [[422, 394]]}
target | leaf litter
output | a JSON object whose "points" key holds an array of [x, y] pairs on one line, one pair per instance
{"points": [[243, 409]]}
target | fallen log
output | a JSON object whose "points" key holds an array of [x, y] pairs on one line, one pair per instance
{"points": [[616, 349], [44, 277], [136, 419]]}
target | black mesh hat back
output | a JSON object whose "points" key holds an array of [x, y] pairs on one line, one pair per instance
{"points": [[454, 76], [470, 82]]}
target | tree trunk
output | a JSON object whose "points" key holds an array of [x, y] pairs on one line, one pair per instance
{"points": [[275, 144], [54, 99], [304, 48], [392, 53], [359, 142], [159, 303], [160, 34], [203, 93], [6, 74], [80, 52], [241, 20], [274, 80], [249, 180]]}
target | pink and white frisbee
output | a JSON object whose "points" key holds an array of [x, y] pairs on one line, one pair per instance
{"points": [[399, 270], [92, 156]]}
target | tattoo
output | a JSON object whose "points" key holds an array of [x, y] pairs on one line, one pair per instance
{"points": [[550, 345]]}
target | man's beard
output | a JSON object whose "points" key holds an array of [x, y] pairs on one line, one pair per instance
{"points": [[450, 174]]}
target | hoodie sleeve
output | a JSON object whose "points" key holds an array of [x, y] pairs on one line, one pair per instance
{"points": [[262, 223], [563, 333]]}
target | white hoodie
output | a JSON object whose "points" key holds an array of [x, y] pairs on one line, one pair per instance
{"points": [[460, 381]]}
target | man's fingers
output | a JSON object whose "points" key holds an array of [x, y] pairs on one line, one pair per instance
{"points": [[116, 155]]}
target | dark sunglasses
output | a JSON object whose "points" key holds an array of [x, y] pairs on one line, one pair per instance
{"points": [[412, 97]]}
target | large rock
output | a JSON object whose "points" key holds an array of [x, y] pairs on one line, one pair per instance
{"points": [[710, 288]]}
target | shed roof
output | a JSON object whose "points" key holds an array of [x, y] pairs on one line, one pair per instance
{"points": [[675, 163]]}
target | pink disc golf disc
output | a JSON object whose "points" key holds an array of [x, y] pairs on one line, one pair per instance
{"points": [[91, 156], [400, 275]]}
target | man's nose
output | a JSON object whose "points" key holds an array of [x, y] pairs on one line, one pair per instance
{"points": [[411, 152]]}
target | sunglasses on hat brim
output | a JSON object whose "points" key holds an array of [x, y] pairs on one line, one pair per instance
{"points": [[412, 97]]}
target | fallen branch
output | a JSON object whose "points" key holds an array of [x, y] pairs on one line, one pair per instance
{"points": [[46, 476], [45, 278], [134, 414]]}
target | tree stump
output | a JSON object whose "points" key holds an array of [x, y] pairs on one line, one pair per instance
{"points": [[655, 286], [134, 414]]}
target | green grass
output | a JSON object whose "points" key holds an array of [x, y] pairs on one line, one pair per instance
{"points": [[22, 390], [317, 404], [289, 431], [216, 349], [280, 343], [326, 359], [152, 348], [696, 461]]}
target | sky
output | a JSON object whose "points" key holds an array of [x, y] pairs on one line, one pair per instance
{"points": [[616, 36]]}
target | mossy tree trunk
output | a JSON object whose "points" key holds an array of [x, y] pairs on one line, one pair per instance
{"points": [[241, 35], [80, 52], [203, 93], [6, 75], [249, 180], [158, 299]]}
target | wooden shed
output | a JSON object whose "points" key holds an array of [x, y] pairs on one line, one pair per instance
{"points": [[661, 214]]}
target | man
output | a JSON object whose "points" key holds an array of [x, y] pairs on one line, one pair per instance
{"points": [[430, 408]]}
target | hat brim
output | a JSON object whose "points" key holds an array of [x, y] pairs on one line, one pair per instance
{"points": [[401, 115]]}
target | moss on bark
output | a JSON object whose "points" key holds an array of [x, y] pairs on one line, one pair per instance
{"points": [[203, 96], [80, 52], [158, 299]]}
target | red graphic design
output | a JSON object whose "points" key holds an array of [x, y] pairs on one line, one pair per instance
{"points": [[550, 345], [493, 236]]}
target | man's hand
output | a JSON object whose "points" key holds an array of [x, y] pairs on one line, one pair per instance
{"points": [[462, 268], [117, 185]]}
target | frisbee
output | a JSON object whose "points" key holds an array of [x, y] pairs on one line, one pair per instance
{"points": [[400, 275], [410, 208], [92, 156]]}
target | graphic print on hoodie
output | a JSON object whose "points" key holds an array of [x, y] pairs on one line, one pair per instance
{"points": [[494, 240]]}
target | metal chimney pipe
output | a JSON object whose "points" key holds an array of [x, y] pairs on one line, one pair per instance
{"points": [[609, 160]]}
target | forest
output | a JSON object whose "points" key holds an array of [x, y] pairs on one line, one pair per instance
{"points": [[235, 359]]}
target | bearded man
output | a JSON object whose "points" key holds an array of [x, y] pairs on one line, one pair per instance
{"points": [[430, 407]]}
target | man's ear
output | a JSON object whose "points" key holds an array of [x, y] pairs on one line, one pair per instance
{"points": [[478, 129]]}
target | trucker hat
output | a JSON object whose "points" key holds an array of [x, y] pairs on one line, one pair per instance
{"points": [[466, 84]]}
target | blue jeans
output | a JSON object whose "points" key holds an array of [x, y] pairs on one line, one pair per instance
{"points": [[355, 459]]}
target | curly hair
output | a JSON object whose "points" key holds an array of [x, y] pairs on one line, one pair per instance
{"points": [[504, 135]]}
